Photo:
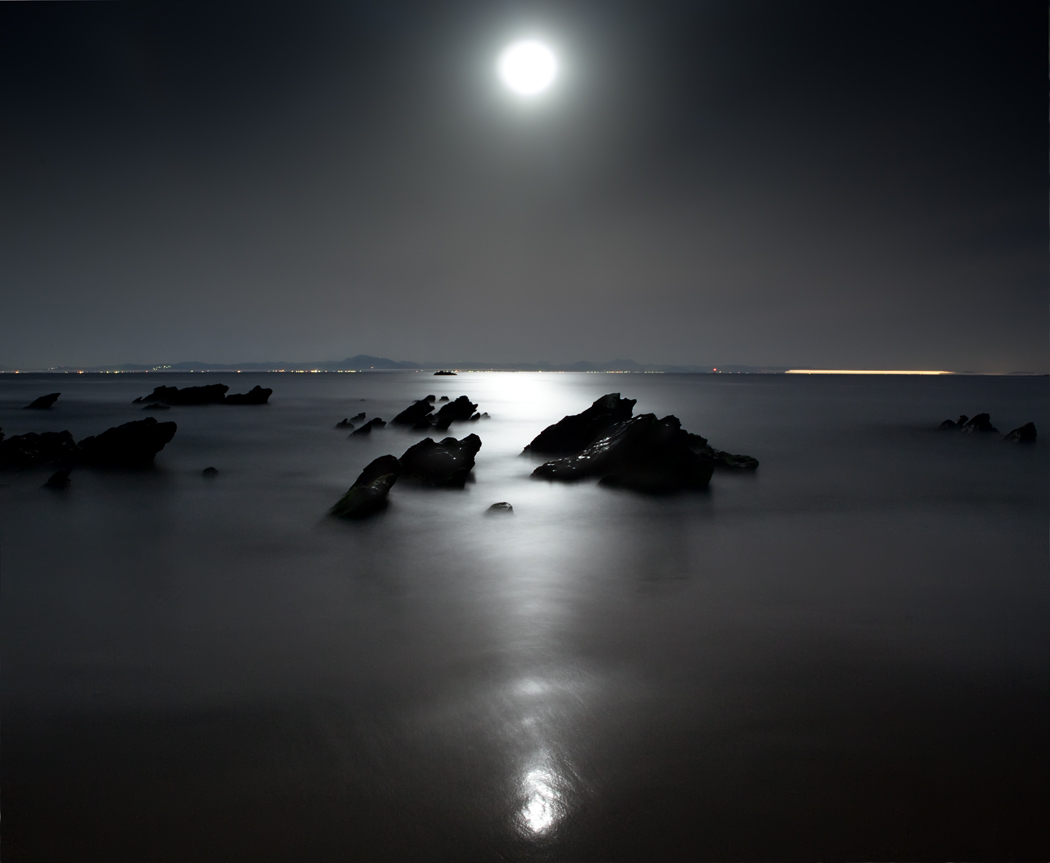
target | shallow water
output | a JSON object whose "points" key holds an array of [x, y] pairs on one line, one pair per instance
{"points": [[845, 654]]}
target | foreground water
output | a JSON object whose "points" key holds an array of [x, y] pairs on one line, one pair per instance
{"points": [[844, 655]]}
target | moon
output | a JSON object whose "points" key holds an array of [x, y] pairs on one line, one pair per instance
{"points": [[527, 67]]}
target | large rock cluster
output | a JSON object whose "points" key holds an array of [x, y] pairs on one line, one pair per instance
{"points": [[982, 424], [641, 453], [420, 414], [210, 394], [133, 444]]}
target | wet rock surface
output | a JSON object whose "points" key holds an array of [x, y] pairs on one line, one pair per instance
{"points": [[1022, 434], [642, 453], [444, 464], [368, 495], [133, 444], [42, 403], [574, 433]]}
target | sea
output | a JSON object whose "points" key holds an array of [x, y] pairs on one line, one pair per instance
{"points": [[845, 654]]}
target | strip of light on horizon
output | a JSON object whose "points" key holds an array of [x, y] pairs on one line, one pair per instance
{"points": [[863, 372]]}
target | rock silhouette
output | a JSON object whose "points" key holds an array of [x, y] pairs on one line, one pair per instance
{"points": [[42, 403], [415, 413], [441, 465], [210, 472], [358, 418], [501, 508], [1023, 434], [34, 450], [979, 423], [443, 372], [344, 423], [132, 444], [460, 409], [374, 423], [156, 407], [368, 494], [573, 433], [257, 395]]}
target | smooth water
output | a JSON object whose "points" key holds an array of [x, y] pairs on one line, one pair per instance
{"points": [[846, 654]]}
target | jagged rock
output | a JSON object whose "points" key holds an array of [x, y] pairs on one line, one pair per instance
{"points": [[443, 372], [460, 409], [954, 424], [374, 423], [58, 480], [211, 394], [368, 494], [33, 450], [721, 459], [156, 407], [42, 403], [133, 444], [257, 395], [443, 399], [358, 418], [210, 472], [415, 413], [979, 423], [501, 508], [443, 465], [643, 454], [344, 424], [574, 433], [1024, 434]]}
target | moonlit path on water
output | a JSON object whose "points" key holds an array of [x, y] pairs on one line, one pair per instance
{"points": [[843, 655]]}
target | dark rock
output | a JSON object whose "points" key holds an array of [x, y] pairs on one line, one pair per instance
{"points": [[501, 508], [133, 444], [368, 494], [957, 424], [42, 403], [574, 433], [257, 395], [642, 454], [33, 450], [156, 407], [374, 423], [721, 459], [979, 423], [460, 409], [485, 416], [210, 472], [1024, 434], [442, 465], [474, 417], [58, 480], [212, 394], [443, 399], [358, 418], [415, 413], [344, 424], [443, 372]]}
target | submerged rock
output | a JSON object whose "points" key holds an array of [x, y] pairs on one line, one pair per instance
{"points": [[257, 395], [1023, 434], [156, 407], [34, 450], [132, 444], [368, 494], [210, 472], [573, 433], [415, 413], [642, 454], [211, 394], [42, 403], [501, 508], [460, 409], [374, 423], [58, 480], [344, 423], [441, 465]]}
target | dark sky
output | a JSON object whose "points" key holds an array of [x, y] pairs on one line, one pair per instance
{"points": [[772, 183]]}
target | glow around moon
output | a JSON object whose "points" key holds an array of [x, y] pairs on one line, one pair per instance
{"points": [[527, 68]]}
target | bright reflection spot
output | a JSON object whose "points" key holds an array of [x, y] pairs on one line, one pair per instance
{"points": [[542, 801], [528, 68]]}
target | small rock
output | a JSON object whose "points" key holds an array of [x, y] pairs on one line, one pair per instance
{"points": [[1024, 434], [210, 472], [42, 403], [979, 423], [374, 423], [344, 424], [58, 480], [501, 508], [358, 418], [443, 399]]}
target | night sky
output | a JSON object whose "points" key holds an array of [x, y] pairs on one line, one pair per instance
{"points": [[822, 185]]}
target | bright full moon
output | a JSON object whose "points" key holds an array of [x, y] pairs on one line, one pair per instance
{"points": [[528, 68]]}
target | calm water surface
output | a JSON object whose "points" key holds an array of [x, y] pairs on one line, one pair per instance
{"points": [[844, 655]]}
